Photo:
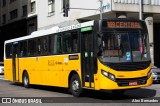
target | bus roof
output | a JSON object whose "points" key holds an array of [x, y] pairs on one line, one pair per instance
{"points": [[51, 31]]}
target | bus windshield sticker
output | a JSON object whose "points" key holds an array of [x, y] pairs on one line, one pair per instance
{"points": [[128, 56]]}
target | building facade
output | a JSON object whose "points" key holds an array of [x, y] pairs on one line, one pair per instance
{"points": [[17, 18]]}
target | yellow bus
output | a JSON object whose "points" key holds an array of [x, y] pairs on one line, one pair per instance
{"points": [[108, 54]]}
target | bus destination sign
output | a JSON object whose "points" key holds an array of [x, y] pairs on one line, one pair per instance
{"points": [[122, 24]]}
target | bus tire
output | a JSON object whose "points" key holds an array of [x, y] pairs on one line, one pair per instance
{"points": [[75, 86], [26, 80]]}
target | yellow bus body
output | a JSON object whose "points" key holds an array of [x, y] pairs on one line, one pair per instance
{"points": [[44, 70], [55, 70], [104, 83]]}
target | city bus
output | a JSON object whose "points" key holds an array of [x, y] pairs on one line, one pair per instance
{"points": [[107, 54]]}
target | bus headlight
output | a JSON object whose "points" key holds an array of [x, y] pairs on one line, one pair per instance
{"points": [[149, 74], [108, 75]]}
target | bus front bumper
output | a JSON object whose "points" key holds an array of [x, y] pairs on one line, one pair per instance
{"points": [[107, 84]]}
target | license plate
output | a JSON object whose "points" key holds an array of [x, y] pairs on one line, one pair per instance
{"points": [[133, 83]]}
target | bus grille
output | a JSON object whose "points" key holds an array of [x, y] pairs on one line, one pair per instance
{"points": [[125, 82], [132, 66]]}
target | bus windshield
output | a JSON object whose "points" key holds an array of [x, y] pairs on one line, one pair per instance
{"points": [[124, 46]]}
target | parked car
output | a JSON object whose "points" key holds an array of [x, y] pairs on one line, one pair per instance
{"points": [[1, 68], [156, 75]]}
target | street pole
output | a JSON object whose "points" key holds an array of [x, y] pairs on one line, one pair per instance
{"points": [[101, 9], [140, 9], [101, 17]]}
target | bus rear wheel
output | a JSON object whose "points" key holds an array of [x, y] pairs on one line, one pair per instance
{"points": [[75, 86], [26, 80]]}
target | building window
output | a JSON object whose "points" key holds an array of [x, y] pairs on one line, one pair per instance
{"points": [[24, 9], [31, 28], [51, 7], [13, 14], [4, 18], [33, 7], [12, 1], [3, 3]]}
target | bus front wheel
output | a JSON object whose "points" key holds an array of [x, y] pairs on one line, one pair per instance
{"points": [[75, 86], [26, 80]]}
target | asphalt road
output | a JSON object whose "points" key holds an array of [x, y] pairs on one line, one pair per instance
{"points": [[59, 96]]}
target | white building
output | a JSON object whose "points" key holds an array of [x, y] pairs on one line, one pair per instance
{"points": [[52, 15]]}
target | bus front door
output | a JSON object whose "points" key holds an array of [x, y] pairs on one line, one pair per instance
{"points": [[87, 59], [15, 66]]}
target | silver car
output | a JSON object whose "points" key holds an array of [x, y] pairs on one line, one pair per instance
{"points": [[1, 68], [156, 75]]}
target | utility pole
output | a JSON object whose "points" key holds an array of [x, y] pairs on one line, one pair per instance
{"points": [[101, 15], [101, 9], [140, 9]]}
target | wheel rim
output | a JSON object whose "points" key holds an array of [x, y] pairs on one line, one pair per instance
{"points": [[75, 86], [25, 80]]}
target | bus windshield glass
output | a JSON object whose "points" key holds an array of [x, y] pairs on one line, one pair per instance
{"points": [[124, 46]]}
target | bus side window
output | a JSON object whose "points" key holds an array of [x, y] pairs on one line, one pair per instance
{"points": [[42, 46], [38, 46], [32, 47], [66, 43], [51, 44], [8, 51], [74, 42], [54, 44], [58, 48], [23, 49], [70, 42]]}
